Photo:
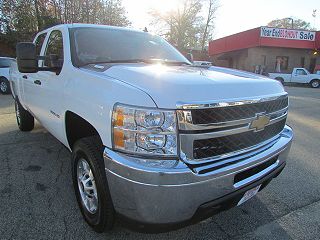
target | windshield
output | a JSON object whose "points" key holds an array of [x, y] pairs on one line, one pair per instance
{"points": [[99, 45]]}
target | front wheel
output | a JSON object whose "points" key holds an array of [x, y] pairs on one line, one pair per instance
{"points": [[25, 120], [315, 83], [4, 86], [90, 184]]}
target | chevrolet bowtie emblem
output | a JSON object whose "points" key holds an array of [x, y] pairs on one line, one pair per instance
{"points": [[260, 123]]}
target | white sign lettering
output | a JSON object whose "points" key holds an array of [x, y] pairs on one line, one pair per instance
{"points": [[270, 32]]}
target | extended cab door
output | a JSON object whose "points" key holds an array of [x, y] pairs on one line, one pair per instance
{"points": [[300, 75], [48, 87], [30, 97]]}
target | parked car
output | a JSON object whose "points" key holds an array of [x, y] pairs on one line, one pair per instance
{"points": [[153, 138], [202, 63], [298, 75], [5, 63]]}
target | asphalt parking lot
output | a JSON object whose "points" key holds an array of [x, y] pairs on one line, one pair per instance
{"points": [[37, 199]]}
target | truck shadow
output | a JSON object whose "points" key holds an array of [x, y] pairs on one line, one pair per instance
{"points": [[6, 101]]}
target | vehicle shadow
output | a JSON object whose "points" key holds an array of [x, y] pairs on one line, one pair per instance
{"points": [[6, 104]]}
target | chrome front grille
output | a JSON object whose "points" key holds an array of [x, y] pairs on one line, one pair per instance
{"points": [[212, 147], [232, 113], [211, 132]]}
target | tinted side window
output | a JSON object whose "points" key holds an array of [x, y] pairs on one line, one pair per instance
{"points": [[54, 47], [39, 42]]}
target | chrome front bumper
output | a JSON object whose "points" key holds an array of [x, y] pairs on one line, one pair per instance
{"points": [[149, 193]]}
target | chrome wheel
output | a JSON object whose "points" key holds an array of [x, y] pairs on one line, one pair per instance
{"points": [[3, 87], [87, 186], [315, 84]]}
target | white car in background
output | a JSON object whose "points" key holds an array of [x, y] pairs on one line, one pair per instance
{"points": [[5, 63]]}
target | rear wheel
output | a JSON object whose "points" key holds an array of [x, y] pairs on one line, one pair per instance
{"points": [[90, 184], [4, 86], [25, 120], [315, 83]]}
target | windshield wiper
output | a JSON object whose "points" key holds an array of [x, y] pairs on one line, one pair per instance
{"points": [[117, 61], [138, 60]]}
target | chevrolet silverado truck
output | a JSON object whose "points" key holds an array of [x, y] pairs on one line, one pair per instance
{"points": [[298, 75], [155, 140]]}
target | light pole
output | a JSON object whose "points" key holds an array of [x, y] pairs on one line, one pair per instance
{"points": [[291, 22]]}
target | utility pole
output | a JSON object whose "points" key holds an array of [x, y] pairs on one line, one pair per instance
{"points": [[314, 14], [291, 22]]}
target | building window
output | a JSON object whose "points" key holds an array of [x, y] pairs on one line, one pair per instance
{"points": [[281, 63], [302, 62]]}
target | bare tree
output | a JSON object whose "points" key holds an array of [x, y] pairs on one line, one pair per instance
{"points": [[208, 28], [181, 26], [21, 19]]}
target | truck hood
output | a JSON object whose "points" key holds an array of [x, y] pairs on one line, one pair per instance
{"points": [[170, 86]]}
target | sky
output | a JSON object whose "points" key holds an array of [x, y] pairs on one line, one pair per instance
{"points": [[233, 16]]}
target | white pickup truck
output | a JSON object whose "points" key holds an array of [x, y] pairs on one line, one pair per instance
{"points": [[298, 75], [154, 139]]}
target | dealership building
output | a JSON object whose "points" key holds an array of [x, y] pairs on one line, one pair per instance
{"points": [[267, 49]]}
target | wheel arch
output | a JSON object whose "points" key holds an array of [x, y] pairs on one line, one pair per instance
{"points": [[76, 127], [315, 79]]}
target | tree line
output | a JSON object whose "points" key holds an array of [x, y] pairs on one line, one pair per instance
{"points": [[190, 24], [21, 19]]}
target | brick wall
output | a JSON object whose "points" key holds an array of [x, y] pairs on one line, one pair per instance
{"points": [[247, 59]]}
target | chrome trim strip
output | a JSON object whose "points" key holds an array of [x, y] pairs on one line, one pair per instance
{"points": [[184, 125], [230, 102]]}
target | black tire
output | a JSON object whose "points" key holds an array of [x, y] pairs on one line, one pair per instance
{"points": [[25, 120], [4, 86], [280, 79], [315, 83], [91, 150]]}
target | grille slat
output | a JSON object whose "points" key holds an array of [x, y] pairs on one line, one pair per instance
{"points": [[206, 148], [232, 113]]}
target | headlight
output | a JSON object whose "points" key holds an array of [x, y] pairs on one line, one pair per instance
{"points": [[144, 131]]}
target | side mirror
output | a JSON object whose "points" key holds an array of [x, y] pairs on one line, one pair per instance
{"points": [[190, 57], [26, 57]]}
